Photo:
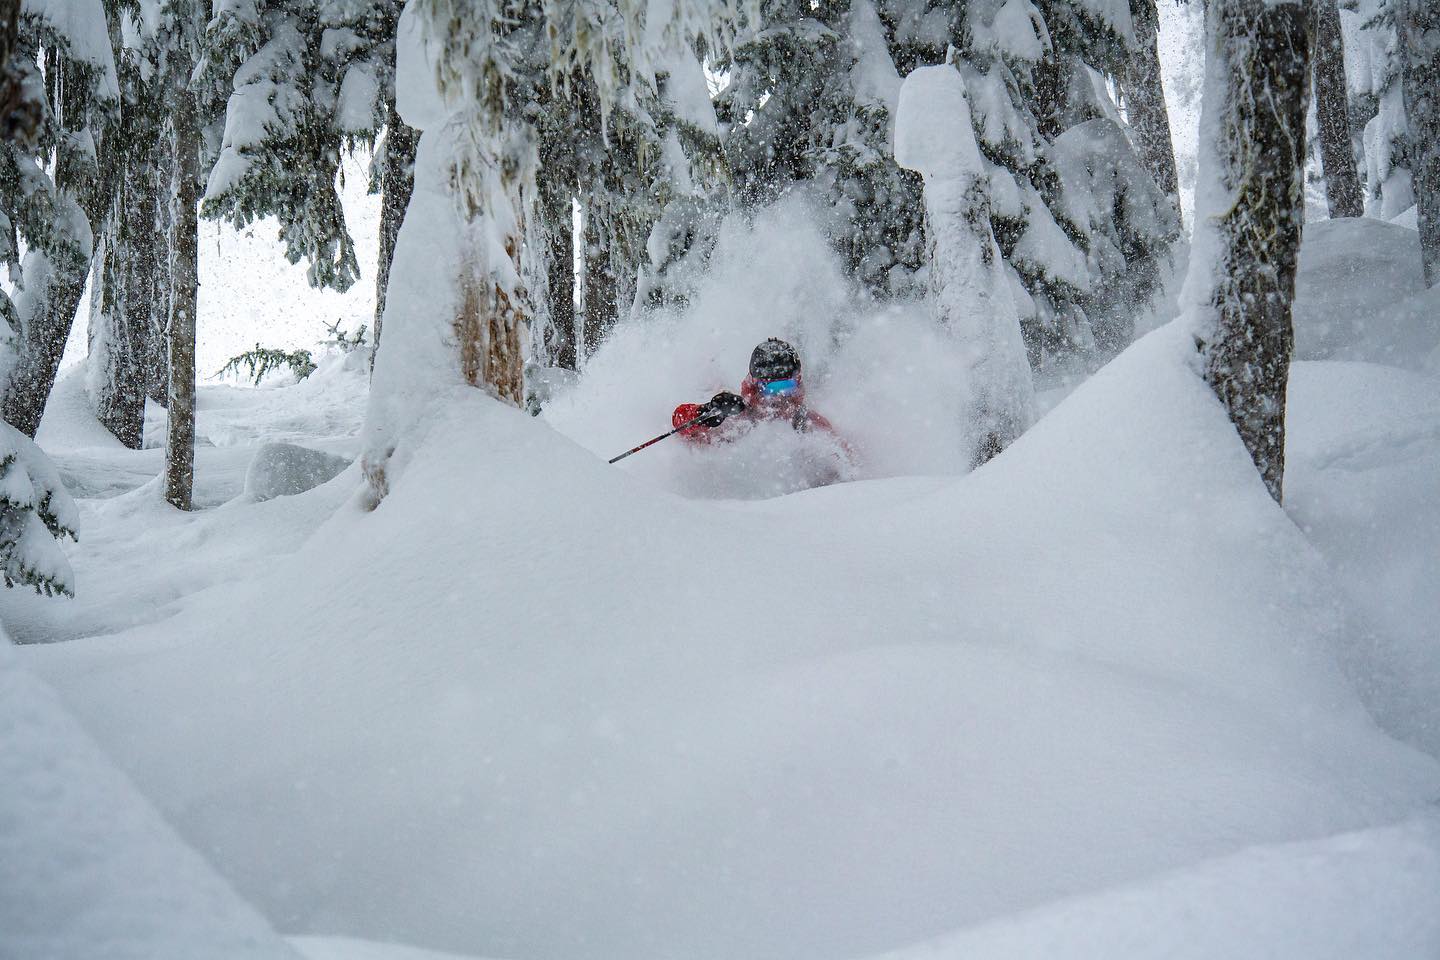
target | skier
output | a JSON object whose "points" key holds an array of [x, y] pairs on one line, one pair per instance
{"points": [[774, 390]]}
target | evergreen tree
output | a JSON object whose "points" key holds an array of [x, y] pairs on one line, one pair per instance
{"points": [[968, 283], [457, 314], [1145, 100], [1080, 278], [1332, 108], [1379, 96], [810, 100], [48, 194], [1242, 279], [130, 279], [1418, 24]]}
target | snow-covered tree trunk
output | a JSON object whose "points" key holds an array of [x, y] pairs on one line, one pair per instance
{"points": [[1332, 108], [1418, 25], [1145, 99], [969, 286], [397, 180], [185, 287], [1250, 212]]}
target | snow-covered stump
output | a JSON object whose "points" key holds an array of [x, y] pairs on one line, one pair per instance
{"points": [[1249, 214], [968, 284]]}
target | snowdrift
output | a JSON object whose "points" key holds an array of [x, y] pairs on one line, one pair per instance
{"points": [[1360, 295], [597, 720], [87, 867]]}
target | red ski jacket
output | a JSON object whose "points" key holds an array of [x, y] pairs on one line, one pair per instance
{"points": [[801, 417]]}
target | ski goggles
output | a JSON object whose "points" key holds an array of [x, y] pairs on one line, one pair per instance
{"points": [[780, 388]]}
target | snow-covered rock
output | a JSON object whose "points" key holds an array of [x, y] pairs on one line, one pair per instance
{"points": [[285, 469]]}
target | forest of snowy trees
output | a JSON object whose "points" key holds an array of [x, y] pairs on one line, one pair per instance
{"points": [[559, 166]]}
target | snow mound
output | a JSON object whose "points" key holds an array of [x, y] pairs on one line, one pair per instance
{"points": [[601, 721], [1359, 295], [285, 469], [87, 867], [1365, 894], [1362, 458]]}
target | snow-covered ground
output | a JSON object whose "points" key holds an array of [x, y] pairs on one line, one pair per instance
{"points": [[1099, 698]]}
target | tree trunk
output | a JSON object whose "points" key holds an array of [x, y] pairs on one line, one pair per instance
{"points": [[1332, 107], [1145, 100], [1418, 24], [397, 181], [185, 285], [1259, 52], [560, 283], [601, 308]]}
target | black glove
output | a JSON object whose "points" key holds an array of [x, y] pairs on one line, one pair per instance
{"points": [[719, 407]]}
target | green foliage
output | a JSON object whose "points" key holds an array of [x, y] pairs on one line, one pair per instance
{"points": [[262, 360], [342, 341]]}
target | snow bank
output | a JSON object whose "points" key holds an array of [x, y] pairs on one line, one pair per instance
{"points": [[1362, 458], [285, 469], [87, 867], [1359, 295], [1365, 894], [599, 721]]}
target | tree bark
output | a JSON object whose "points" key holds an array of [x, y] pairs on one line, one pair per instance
{"points": [[1260, 51], [1332, 107], [1145, 100], [397, 181], [560, 284], [1418, 24], [601, 308], [185, 285]]}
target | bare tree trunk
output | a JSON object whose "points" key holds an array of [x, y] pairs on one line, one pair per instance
{"points": [[1418, 24], [560, 285], [1332, 107], [601, 308], [397, 181], [1145, 100], [1261, 50], [185, 285]]}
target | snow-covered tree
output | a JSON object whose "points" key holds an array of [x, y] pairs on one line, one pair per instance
{"points": [[48, 193], [810, 100], [1031, 73], [1144, 96], [968, 282], [35, 512], [1249, 214], [1332, 108], [130, 279], [458, 308], [1418, 26], [310, 79], [1378, 95]]}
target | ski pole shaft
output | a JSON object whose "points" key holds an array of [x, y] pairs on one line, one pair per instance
{"points": [[653, 440]]}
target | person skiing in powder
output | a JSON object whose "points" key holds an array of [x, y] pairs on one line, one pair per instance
{"points": [[774, 390]]}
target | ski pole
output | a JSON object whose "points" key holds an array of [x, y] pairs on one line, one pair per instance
{"points": [[683, 426]]}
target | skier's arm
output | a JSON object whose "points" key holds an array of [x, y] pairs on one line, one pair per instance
{"points": [[714, 412]]}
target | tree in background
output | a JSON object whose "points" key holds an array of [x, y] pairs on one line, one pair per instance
{"points": [[1332, 108], [810, 102], [1080, 277], [458, 308], [968, 283], [1144, 95], [1418, 26], [49, 194], [1250, 211]]}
